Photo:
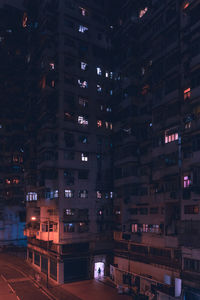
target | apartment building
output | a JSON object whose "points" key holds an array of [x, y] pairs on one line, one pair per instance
{"points": [[69, 189], [156, 146], [12, 80]]}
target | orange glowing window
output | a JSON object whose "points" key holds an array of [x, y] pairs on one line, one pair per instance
{"points": [[43, 82], [187, 93], [24, 21]]}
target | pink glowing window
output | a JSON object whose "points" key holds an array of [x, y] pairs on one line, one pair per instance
{"points": [[187, 181]]}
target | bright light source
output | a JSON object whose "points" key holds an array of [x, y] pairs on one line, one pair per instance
{"points": [[33, 218]]}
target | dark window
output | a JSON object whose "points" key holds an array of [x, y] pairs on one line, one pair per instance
{"points": [[37, 258], [44, 264], [53, 269]]}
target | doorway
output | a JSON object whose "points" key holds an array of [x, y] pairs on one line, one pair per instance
{"points": [[98, 270]]}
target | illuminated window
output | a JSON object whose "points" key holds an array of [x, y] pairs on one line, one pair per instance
{"points": [[134, 228], [186, 182], [111, 75], [69, 194], [83, 11], [8, 181], [55, 194], [99, 195], [83, 102], [186, 5], [69, 212], [24, 21], [53, 83], [111, 92], [84, 156], [170, 136], [99, 88], [31, 196], [108, 109], [84, 66], [107, 74], [187, 93], [83, 194], [108, 125], [16, 180], [82, 83], [118, 212], [99, 123], [99, 72], [82, 120], [82, 28], [69, 227], [52, 66], [143, 12]]}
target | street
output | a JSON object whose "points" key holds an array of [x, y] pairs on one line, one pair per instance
{"points": [[16, 283]]}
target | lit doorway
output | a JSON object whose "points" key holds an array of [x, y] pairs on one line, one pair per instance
{"points": [[98, 270]]}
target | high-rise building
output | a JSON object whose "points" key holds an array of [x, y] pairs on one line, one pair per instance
{"points": [[156, 158], [68, 170], [134, 64], [12, 135]]}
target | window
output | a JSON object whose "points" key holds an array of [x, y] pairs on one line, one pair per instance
{"points": [[36, 258], [134, 228], [69, 194], [143, 12], [106, 74], [99, 88], [82, 83], [69, 227], [83, 11], [187, 94], [186, 181], [83, 102], [171, 136], [69, 212], [108, 125], [99, 195], [83, 139], [191, 209], [99, 72], [84, 156], [143, 211], [99, 123], [83, 194], [84, 66], [31, 196], [108, 109], [82, 29], [52, 66], [83, 227], [192, 265], [69, 155], [153, 210], [83, 174], [83, 120]]}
